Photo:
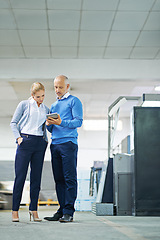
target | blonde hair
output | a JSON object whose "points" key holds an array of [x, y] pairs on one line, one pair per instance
{"points": [[37, 86]]}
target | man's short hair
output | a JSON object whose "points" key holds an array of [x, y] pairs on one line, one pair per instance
{"points": [[66, 78]]}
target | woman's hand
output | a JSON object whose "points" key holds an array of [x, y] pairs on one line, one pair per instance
{"points": [[20, 140]]}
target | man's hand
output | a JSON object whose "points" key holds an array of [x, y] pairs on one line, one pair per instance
{"points": [[55, 121]]}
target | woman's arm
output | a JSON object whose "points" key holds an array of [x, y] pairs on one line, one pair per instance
{"points": [[16, 118]]}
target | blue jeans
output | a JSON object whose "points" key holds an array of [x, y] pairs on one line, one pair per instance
{"points": [[32, 151], [64, 166]]}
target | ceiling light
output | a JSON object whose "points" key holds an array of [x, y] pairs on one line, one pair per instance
{"points": [[157, 88]]}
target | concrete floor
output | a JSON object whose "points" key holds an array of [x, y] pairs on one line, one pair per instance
{"points": [[86, 226]]}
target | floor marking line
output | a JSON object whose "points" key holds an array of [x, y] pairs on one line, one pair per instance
{"points": [[125, 230]]}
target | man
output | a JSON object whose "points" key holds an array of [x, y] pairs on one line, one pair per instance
{"points": [[64, 148]]}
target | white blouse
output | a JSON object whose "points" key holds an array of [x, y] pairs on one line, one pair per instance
{"points": [[37, 117]]}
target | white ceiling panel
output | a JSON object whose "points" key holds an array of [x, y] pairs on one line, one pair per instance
{"points": [[100, 93], [7, 109], [19, 88], [63, 4], [64, 52], [9, 37], [11, 52], [28, 4], [95, 103], [140, 90], [78, 87], [96, 20], [91, 109], [96, 96], [147, 53], [4, 4], [31, 19], [93, 38], [64, 38], [152, 21], [129, 20], [117, 52], [158, 55], [34, 37], [7, 19], [7, 91], [100, 4], [157, 5], [90, 52], [149, 38], [65, 20], [136, 5], [96, 25], [37, 52], [123, 38]]}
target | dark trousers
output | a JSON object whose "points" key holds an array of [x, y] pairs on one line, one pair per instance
{"points": [[64, 166], [31, 150]]}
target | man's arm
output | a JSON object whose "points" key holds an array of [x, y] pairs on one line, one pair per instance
{"points": [[77, 113]]}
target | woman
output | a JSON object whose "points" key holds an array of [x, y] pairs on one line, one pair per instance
{"points": [[28, 126]]}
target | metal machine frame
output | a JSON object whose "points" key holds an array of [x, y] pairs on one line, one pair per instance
{"points": [[114, 108]]}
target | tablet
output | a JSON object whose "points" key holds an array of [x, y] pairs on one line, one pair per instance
{"points": [[52, 115]]}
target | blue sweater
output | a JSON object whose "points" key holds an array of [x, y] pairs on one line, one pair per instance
{"points": [[71, 113]]}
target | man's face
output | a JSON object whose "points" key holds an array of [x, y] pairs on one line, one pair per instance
{"points": [[60, 87]]}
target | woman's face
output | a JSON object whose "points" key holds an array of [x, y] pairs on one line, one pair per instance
{"points": [[39, 96]]}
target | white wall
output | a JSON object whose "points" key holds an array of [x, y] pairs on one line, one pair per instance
{"points": [[93, 145], [7, 142]]}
